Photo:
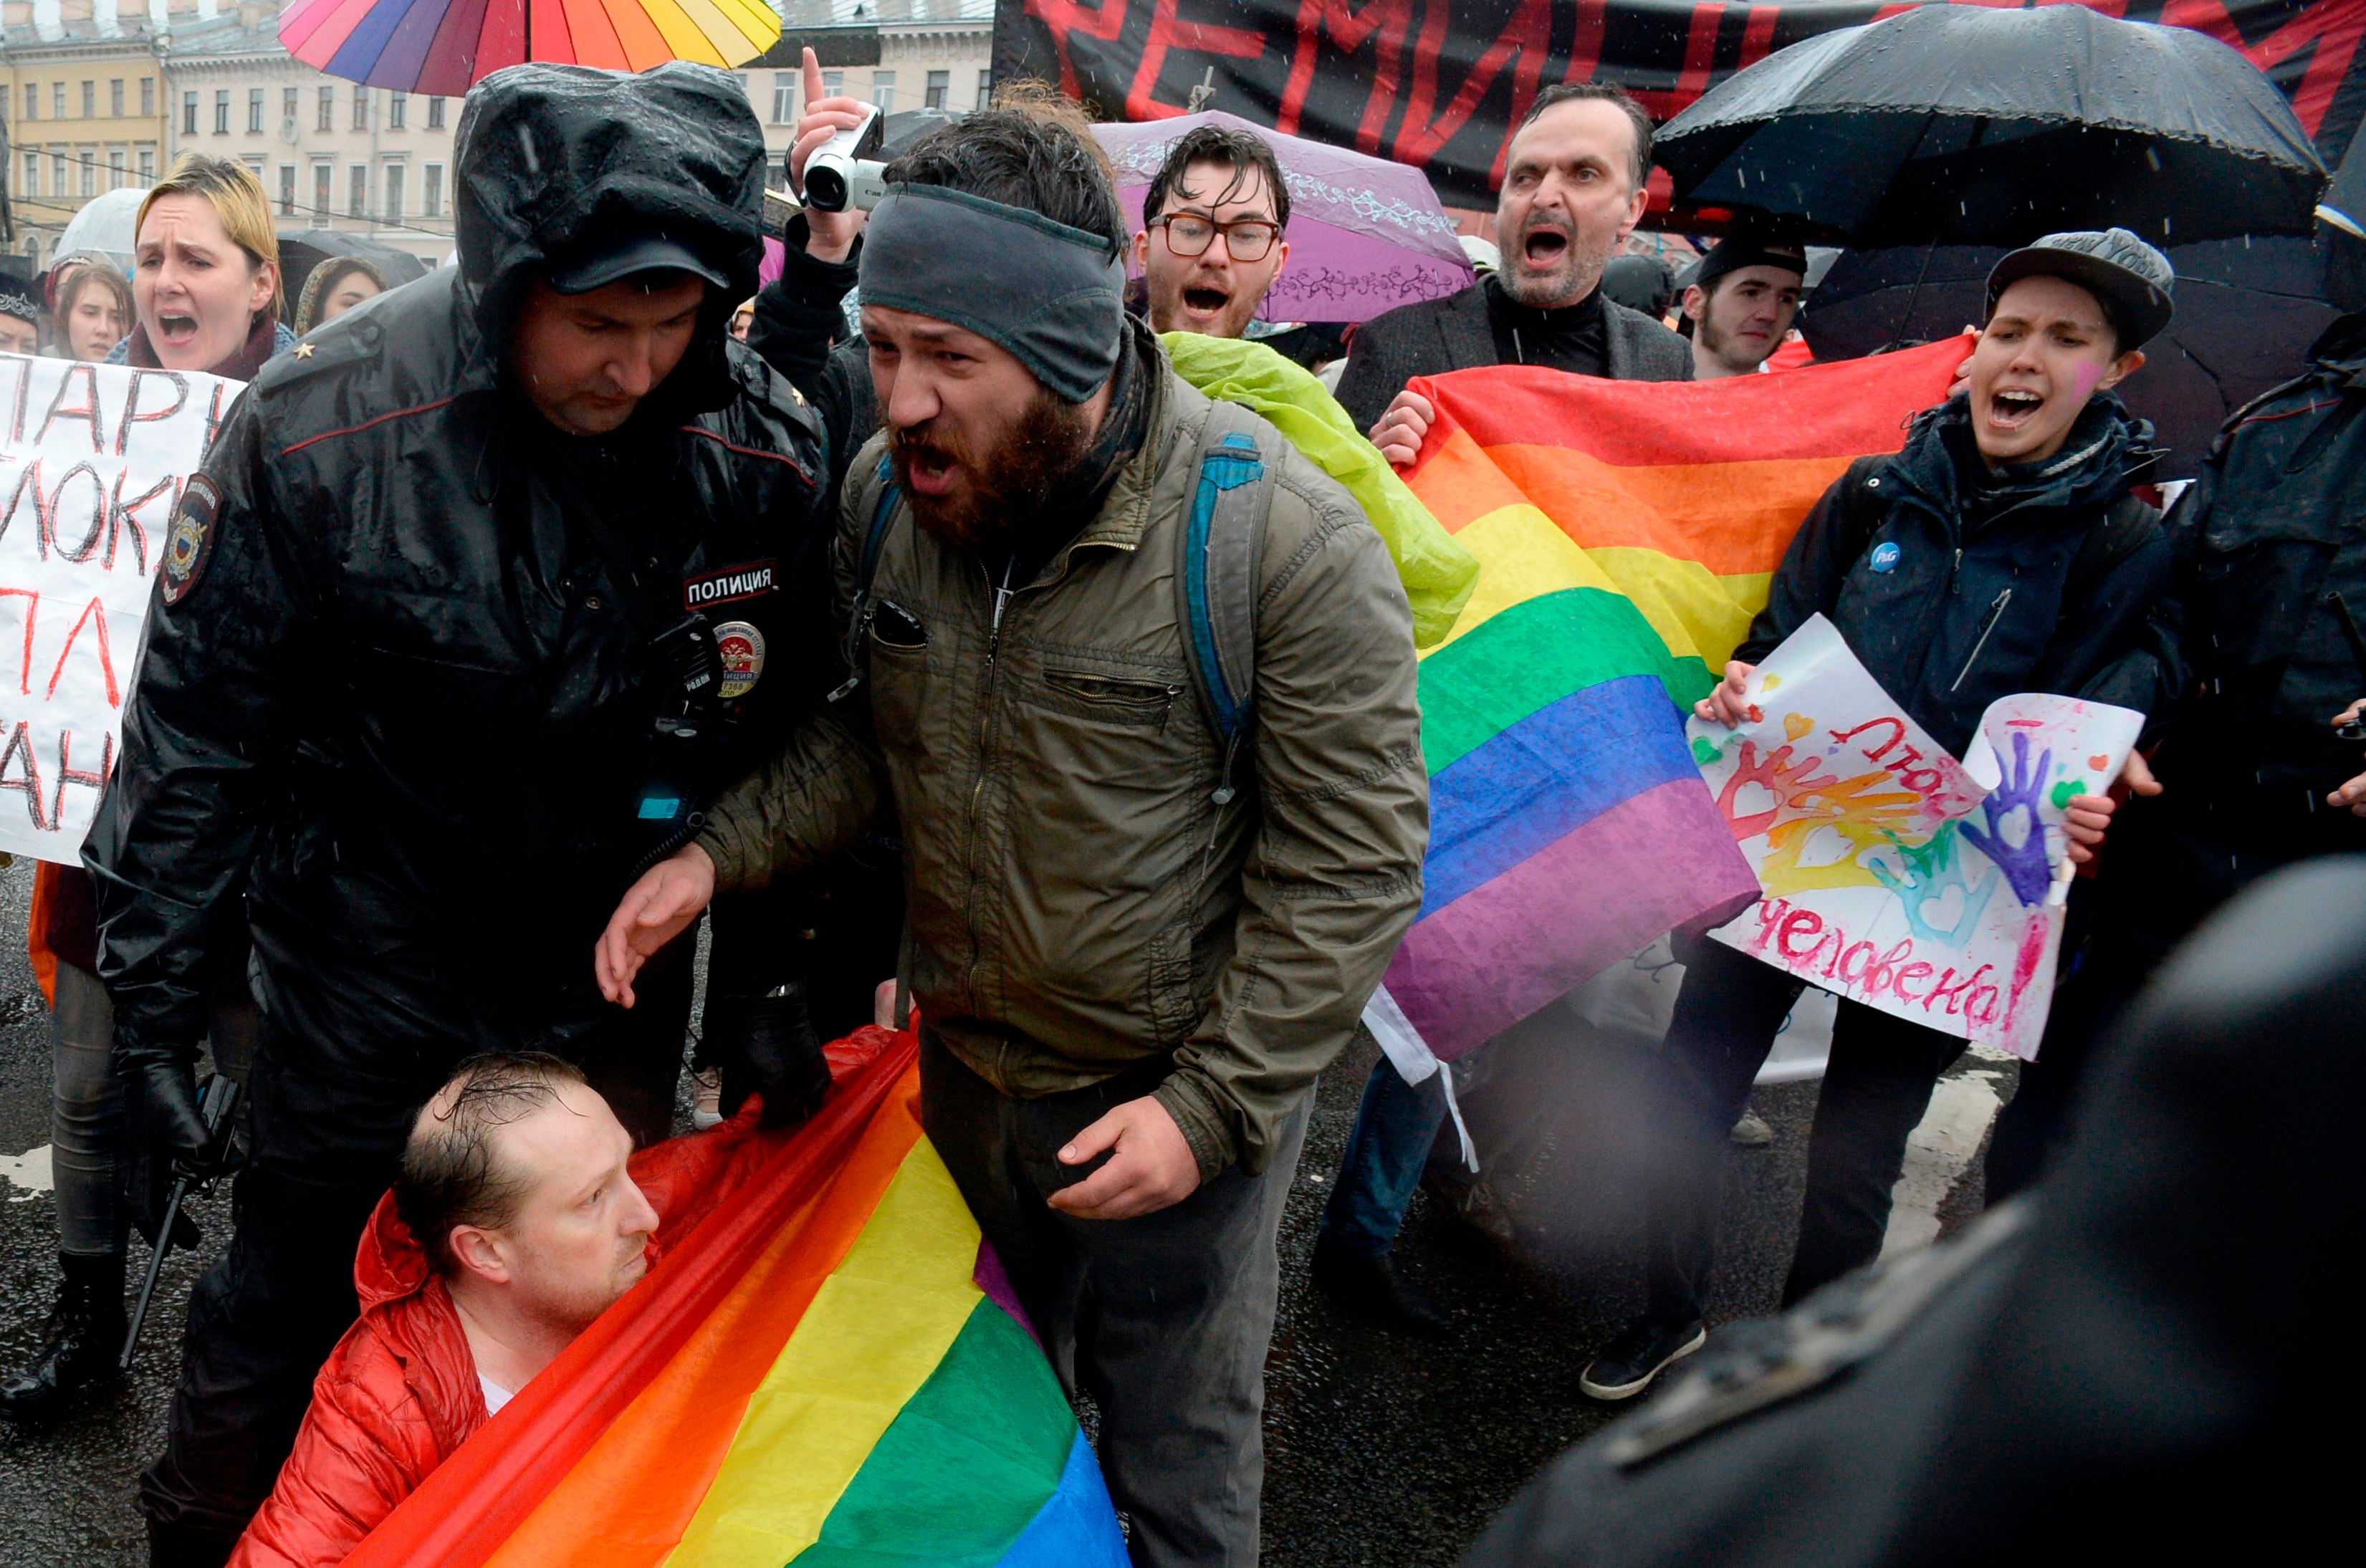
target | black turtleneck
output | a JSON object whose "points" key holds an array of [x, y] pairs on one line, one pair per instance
{"points": [[1573, 338]]}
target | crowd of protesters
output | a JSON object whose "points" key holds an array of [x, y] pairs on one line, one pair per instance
{"points": [[864, 647]]}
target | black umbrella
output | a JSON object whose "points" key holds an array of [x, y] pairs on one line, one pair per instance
{"points": [[1966, 125], [2246, 311], [301, 249]]}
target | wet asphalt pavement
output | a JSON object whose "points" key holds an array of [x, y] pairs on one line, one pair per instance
{"points": [[1381, 1450]]}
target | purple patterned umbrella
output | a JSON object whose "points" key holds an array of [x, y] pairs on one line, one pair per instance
{"points": [[1366, 235]]}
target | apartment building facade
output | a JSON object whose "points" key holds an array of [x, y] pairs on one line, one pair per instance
{"points": [[899, 54], [82, 98], [329, 153]]}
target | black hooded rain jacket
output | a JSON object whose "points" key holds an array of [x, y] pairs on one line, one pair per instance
{"points": [[393, 687]]}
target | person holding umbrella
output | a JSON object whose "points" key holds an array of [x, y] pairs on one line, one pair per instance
{"points": [[2001, 551]]}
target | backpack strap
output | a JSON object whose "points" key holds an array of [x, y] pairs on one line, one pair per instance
{"points": [[882, 513], [1222, 544]]}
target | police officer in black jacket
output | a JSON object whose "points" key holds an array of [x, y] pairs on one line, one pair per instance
{"points": [[2250, 772], [2000, 552], [478, 595]]}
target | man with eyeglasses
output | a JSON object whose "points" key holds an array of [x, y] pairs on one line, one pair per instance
{"points": [[1212, 242]]}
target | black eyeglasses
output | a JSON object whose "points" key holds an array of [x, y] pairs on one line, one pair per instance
{"points": [[1246, 238]]}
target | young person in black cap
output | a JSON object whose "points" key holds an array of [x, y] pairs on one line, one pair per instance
{"points": [[2259, 764], [466, 617], [2001, 551], [1742, 302]]}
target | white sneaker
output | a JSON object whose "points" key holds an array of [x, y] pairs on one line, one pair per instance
{"points": [[707, 1098]]}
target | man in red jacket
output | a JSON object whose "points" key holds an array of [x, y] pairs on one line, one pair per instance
{"points": [[521, 1214]]}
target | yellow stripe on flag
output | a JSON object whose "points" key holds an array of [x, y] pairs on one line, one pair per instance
{"points": [[872, 1336]]}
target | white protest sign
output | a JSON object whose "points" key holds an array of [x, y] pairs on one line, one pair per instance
{"points": [[93, 461], [1895, 875]]}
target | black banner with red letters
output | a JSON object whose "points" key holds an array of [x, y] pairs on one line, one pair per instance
{"points": [[1440, 83]]}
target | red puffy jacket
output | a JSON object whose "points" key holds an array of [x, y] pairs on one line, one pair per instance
{"points": [[400, 1392]]}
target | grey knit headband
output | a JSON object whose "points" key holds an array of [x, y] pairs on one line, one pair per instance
{"points": [[1052, 295]]}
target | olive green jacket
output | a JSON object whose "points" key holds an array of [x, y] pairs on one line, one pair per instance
{"points": [[1079, 901]]}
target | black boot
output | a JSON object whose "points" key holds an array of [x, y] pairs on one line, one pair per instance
{"points": [[768, 1046], [79, 1345]]}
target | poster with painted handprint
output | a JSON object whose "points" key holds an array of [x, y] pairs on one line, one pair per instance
{"points": [[1893, 873]]}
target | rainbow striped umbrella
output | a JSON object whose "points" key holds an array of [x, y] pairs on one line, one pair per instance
{"points": [[445, 47]]}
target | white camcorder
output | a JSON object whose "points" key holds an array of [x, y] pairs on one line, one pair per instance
{"points": [[846, 171]]}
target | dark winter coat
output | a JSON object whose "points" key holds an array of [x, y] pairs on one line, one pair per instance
{"points": [[2271, 546], [1957, 597], [1454, 334], [391, 682]]}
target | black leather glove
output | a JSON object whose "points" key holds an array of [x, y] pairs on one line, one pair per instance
{"points": [[167, 1132], [768, 1046]]}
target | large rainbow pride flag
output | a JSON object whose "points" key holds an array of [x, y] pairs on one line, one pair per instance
{"points": [[1626, 534], [830, 1371]]}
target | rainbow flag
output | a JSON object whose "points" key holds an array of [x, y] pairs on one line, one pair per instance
{"points": [[829, 1370], [1626, 534]]}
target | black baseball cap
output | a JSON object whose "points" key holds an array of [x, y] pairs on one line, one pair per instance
{"points": [[602, 262], [2130, 276], [1751, 246]]}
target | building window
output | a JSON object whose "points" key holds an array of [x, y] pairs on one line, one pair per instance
{"points": [[289, 97], [32, 100], [391, 177], [254, 167], [328, 109], [940, 82], [357, 197], [883, 90], [32, 173], [115, 97], [431, 190], [88, 158], [58, 173], [286, 190], [222, 112], [57, 100], [90, 100], [436, 113], [188, 114], [833, 83], [146, 97], [254, 111], [398, 108], [361, 109], [147, 166], [984, 88], [321, 176], [784, 98], [115, 169]]}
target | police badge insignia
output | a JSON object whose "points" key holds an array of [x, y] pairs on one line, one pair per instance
{"points": [[742, 647], [189, 541]]}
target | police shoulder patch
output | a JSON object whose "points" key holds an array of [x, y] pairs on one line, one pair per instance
{"points": [[189, 543]]}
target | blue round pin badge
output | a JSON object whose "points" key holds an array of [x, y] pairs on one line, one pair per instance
{"points": [[1885, 557]]}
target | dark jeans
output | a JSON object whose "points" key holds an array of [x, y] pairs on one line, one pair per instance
{"points": [[1164, 1318], [1875, 1090], [1395, 1125], [266, 1315]]}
